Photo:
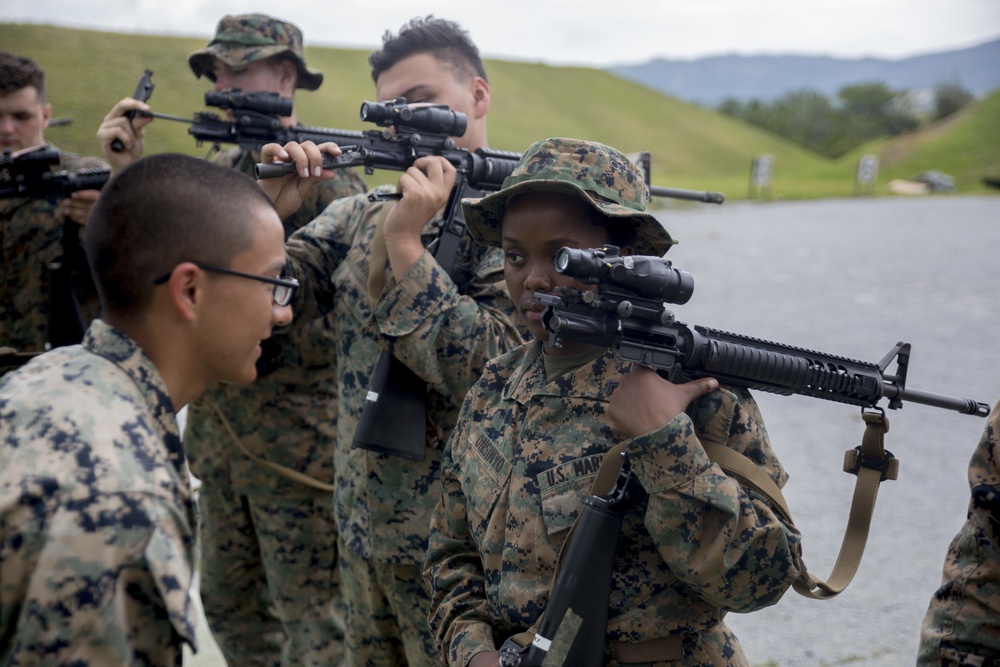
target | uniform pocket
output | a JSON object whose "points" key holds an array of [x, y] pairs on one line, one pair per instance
{"points": [[563, 489], [485, 473]]}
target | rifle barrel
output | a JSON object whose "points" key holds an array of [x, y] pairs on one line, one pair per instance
{"points": [[966, 406], [165, 116], [703, 196]]}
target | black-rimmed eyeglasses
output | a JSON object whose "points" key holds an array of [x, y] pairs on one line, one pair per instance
{"points": [[284, 288]]}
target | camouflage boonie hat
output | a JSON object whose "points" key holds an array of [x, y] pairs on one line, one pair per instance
{"points": [[598, 174], [245, 38]]}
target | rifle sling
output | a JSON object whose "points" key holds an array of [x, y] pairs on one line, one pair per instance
{"points": [[870, 462], [284, 471]]}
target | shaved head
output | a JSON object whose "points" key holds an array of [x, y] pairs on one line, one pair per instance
{"points": [[160, 211]]}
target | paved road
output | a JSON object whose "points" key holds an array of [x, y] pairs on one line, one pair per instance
{"points": [[853, 277]]}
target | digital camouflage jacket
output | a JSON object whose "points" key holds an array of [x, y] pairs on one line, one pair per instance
{"points": [[443, 332], [514, 477], [97, 521]]}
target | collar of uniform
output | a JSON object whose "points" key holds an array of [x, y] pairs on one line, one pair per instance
{"points": [[595, 380], [115, 346]]}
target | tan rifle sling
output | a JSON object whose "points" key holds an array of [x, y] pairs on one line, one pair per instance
{"points": [[284, 471]]}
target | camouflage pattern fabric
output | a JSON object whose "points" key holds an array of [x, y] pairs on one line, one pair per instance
{"points": [[441, 332], [268, 544], [962, 624], [513, 480], [599, 175], [30, 238], [97, 518], [384, 614], [245, 38]]}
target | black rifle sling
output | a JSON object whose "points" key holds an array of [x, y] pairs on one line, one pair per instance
{"points": [[393, 420]]}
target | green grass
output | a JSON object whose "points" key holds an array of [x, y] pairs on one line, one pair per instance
{"points": [[965, 146], [691, 147]]}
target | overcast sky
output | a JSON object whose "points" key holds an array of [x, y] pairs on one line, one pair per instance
{"points": [[585, 32]]}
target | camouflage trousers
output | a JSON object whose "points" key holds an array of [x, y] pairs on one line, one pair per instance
{"points": [[269, 581], [386, 614]]}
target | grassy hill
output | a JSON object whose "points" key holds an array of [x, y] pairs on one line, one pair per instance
{"points": [[965, 145], [691, 147]]}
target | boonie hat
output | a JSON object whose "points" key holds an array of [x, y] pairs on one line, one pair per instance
{"points": [[245, 38], [600, 175]]}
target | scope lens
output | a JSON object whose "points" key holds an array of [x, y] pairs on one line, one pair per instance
{"points": [[562, 260]]}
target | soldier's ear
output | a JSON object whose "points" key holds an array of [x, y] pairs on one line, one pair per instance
{"points": [[480, 95], [187, 290], [288, 74]]}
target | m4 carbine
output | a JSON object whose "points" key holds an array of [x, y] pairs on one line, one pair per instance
{"points": [[31, 175], [256, 119], [628, 310]]}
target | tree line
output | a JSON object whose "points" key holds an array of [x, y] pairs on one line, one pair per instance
{"points": [[860, 112]]}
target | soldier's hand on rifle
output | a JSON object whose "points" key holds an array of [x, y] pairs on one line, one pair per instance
{"points": [[424, 189], [644, 401], [485, 659], [117, 125], [78, 205], [288, 192]]}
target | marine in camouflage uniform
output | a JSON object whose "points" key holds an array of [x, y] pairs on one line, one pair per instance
{"points": [[442, 329], [97, 517], [443, 332], [31, 230], [269, 580], [31, 234], [530, 439], [962, 624]]}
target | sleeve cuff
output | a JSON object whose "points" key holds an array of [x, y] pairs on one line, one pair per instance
{"points": [[669, 456], [408, 302]]}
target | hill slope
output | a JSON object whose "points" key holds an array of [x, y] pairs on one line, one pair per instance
{"points": [[691, 147]]}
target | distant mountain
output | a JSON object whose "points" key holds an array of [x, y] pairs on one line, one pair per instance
{"points": [[708, 81]]}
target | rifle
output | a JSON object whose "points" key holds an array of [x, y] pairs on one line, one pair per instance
{"points": [[573, 627], [29, 175], [628, 311], [256, 120]]}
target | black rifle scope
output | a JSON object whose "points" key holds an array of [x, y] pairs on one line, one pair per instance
{"points": [[39, 159], [435, 118], [270, 104], [647, 276]]}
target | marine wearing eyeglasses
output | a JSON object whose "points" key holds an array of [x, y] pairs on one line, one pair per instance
{"points": [[269, 582], [97, 514]]}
